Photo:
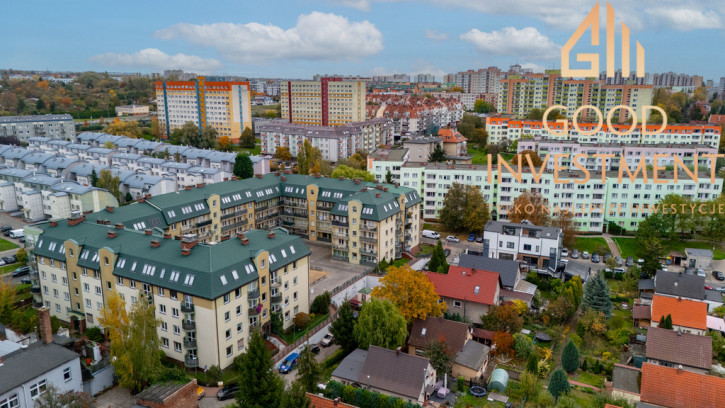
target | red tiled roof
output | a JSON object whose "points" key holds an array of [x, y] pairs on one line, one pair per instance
{"points": [[461, 283], [483, 334], [321, 402], [675, 388], [719, 119], [641, 312], [686, 313], [451, 136]]}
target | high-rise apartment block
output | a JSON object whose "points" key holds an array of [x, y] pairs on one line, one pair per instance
{"points": [[327, 102], [484, 80], [225, 106]]}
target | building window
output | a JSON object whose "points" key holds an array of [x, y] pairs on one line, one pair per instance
{"points": [[119, 280], [174, 312], [38, 388], [66, 374], [177, 346], [240, 344], [286, 316], [456, 303], [294, 296], [226, 298], [239, 328], [177, 330], [164, 342], [229, 334], [164, 326], [108, 285], [10, 402], [162, 309], [229, 351], [226, 316]]}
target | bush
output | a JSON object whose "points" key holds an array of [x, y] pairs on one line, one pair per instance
{"points": [[302, 320], [334, 358], [523, 345], [94, 334], [214, 374], [570, 357], [321, 304], [461, 383]]}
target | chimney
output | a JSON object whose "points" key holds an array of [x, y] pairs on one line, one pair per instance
{"points": [[46, 330], [341, 178], [167, 235], [106, 222], [679, 298], [178, 237], [276, 173], [185, 251], [109, 209], [140, 199], [98, 221], [111, 234], [155, 243], [224, 238], [76, 220], [380, 187], [357, 181], [385, 189], [270, 235], [54, 223], [317, 175], [200, 185], [336, 401], [147, 196], [187, 242], [283, 178], [245, 241], [240, 235], [377, 195], [187, 188], [258, 175], [679, 369], [118, 225], [147, 231], [397, 351]]}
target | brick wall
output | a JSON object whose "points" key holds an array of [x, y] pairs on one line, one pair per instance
{"points": [[185, 397]]}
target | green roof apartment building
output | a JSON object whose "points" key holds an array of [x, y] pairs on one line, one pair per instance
{"points": [[208, 297], [593, 202]]}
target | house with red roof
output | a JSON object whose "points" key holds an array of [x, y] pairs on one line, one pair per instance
{"points": [[677, 388], [454, 143], [467, 291], [688, 316]]}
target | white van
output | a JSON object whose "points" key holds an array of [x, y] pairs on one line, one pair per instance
{"points": [[17, 233], [430, 234]]}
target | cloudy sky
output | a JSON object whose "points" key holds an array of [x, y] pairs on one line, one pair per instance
{"points": [[300, 38]]}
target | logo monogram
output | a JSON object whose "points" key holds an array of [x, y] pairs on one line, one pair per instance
{"points": [[592, 20]]}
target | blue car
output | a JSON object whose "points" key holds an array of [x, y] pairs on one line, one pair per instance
{"points": [[471, 237], [289, 363]]}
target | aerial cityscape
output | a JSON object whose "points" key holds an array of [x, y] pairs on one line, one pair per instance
{"points": [[308, 204]]}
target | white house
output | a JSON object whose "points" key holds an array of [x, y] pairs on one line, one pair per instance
{"points": [[539, 247]]}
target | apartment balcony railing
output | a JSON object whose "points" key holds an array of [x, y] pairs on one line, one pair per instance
{"points": [[368, 251], [372, 240], [188, 325], [203, 223], [340, 257], [340, 223], [191, 362], [253, 294], [340, 246], [275, 283], [187, 307], [276, 298], [254, 311], [255, 324], [288, 223], [189, 344], [323, 239], [368, 227]]}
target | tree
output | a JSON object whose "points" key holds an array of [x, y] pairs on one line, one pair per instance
{"points": [[351, 173], [94, 178], [301, 320], [243, 167], [451, 214], [247, 139], [481, 106], [208, 138], [559, 383], [503, 318], [468, 124], [437, 262], [276, 323], [283, 153], [307, 157], [135, 353], [652, 249], [596, 295], [503, 343], [343, 329], [128, 197], [479, 138], [8, 297], [523, 345], [259, 386], [54, 398], [438, 154], [22, 256], [380, 324], [532, 365], [225, 143], [531, 206], [308, 370], [155, 129], [187, 135], [440, 356], [521, 159], [411, 292], [529, 385], [124, 128], [296, 396], [321, 304], [389, 177], [570, 357], [535, 114], [464, 209], [108, 182]]}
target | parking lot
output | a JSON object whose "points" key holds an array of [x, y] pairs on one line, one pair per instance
{"points": [[327, 273]]}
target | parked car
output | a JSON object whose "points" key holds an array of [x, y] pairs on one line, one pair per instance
{"points": [[2, 262], [430, 234], [452, 238], [618, 260], [6, 233], [640, 261], [21, 240], [25, 281], [479, 239], [315, 349], [446, 252], [10, 259], [708, 287], [289, 363], [690, 271], [23, 270], [575, 254], [564, 252], [327, 340], [471, 237], [5, 228], [585, 255], [718, 275], [630, 261], [227, 392], [200, 392], [700, 272], [618, 270], [606, 257], [595, 257]]}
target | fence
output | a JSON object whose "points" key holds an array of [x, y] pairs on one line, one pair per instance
{"points": [[288, 349]]}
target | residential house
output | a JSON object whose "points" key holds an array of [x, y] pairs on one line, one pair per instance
{"points": [[691, 287], [348, 371], [318, 401], [642, 315], [539, 247], [472, 361], [421, 147], [677, 388], [512, 286], [688, 316], [453, 142], [625, 383], [699, 258], [467, 291], [672, 348]]}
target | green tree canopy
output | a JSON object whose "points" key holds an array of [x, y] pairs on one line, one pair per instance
{"points": [[481, 106], [596, 295], [309, 371], [440, 356], [187, 135], [351, 173], [259, 386], [243, 167], [438, 154], [380, 324], [559, 383], [343, 329], [464, 209], [247, 139], [208, 138], [570, 357]]}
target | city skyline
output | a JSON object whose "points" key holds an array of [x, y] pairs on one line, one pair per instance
{"points": [[364, 37]]}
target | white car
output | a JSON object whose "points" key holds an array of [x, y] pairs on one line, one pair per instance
{"points": [[451, 238], [565, 252]]}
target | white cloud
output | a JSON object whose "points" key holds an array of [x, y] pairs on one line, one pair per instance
{"points": [[685, 19], [316, 36], [534, 67], [363, 5], [526, 42], [435, 35], [157, 60]]}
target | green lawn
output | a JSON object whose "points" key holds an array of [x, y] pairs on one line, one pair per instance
{"points": [[590, 378], [262, 109], [467, 400], [294, 335], [591, 245], [628, 247], [8, 268], [5, 245], [400, 262], [425, 249], [479, 156]]}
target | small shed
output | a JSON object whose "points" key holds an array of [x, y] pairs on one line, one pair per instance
{"points": [[698, 258], [499, 380]]}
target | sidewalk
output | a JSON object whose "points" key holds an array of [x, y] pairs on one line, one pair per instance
{"points": [[613, 248]]}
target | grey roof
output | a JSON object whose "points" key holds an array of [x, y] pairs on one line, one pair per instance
{"points": [[350, 367], [473, 355], [646, 284], [142, 180], [395, 372], [37, 158], [127, 156], [40, 178], [679, 348], [77, 146], [146, 145], [172, 148], [680, 284], [99, 150], [15, 172], [59, 162], [507, 270], [16, 153], [58, 142], [159, 392], [625, 378], [698, 252], [175, 165], [713, 295], [546, 232], [151, 160], [73, 187], [26, 364], [389, 154], [423, 140], [204, 170], [7, 346], [36, 118]]}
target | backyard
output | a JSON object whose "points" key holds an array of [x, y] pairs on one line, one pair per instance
{"points": [[296, 334], [480, 156], [628, 246], [591, 245]]}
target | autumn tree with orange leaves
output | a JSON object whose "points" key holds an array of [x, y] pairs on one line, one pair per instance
{"points": [[411, 292]]}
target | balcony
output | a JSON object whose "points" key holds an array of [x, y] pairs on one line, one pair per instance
{"points": [[253, 294], [340, 246], [324, 239], [188, 325], [187, 307], [276, 298], [274, 283], [341, 257], [325, 207], [203, 223], [189, 344], [35, 289], [191, 362], [254, 311], [368, 227], [371, 240], [340, 223], [254, 324], [288, 223], [368, 251]]}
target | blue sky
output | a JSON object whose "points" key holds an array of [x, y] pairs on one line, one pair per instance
{"points": [[299, 38]]}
